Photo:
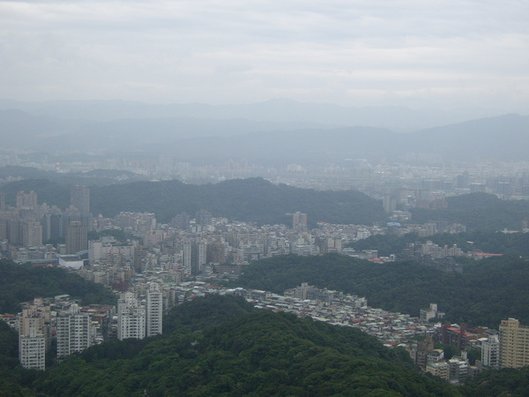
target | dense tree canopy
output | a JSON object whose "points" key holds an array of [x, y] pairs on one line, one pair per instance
{"points": [[478, 211], [21, 283], [503, 383], [252, 200], [12, 376], [496, 242]]}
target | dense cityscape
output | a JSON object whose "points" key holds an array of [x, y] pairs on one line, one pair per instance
{"points": [[155, 267]]}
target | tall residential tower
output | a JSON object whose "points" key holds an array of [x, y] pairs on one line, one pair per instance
{"points": [[154, 310], [514, 344]]}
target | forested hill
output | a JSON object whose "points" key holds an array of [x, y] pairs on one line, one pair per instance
{"points": [[221, 346], [516, 244], [21, 283], [478, 211], [506, 382], [260, 201], [483, 294], [252, 200]]}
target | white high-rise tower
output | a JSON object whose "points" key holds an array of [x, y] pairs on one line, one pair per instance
{"points": [[154, 310], [131, 317], [74, 332]]}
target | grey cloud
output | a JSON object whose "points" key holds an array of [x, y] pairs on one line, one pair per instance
{"points": [[400, 51]]}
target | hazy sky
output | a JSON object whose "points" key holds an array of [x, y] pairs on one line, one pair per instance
{"points": [[403, 52]]}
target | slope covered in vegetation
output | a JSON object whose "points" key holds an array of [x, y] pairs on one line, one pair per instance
{"points": [[221, 346], [22, 282], [252, 200], [483, 294], [478, 211]]}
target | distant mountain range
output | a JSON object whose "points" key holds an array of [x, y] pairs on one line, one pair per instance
{"points": [[277, 111], [206, 136]]}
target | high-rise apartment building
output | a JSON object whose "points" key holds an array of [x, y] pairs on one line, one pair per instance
{"points": [[76, 237], [74, 332], [299, 221], [53, 227], [32, 339], [490, 352], [514, 344], [26, 201], [186, 257], [154, 310], [31, 234], [32, 350], [14, 231], [131, 317], [198, 257], [80, 199], [216, 252]]}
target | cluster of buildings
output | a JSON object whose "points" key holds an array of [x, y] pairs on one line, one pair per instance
{"points": [[337, 308], [60, 319], [75, 328], [39, 233], [432, 250], [31, 231], [187, 246], [205, 245], [410, 181], [508, 348], [137, 319]]}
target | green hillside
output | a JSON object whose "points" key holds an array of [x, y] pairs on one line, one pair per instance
{"points": [[478, 211], [12, 376], [221, 346], [252, 200], [491, 241], [484, 294], [504, 383], [21, 283]]}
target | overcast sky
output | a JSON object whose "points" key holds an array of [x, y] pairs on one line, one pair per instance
{"points": [[399, 52]]}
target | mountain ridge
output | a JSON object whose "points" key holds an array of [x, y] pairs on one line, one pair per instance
{"points": [[202, 139]]}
